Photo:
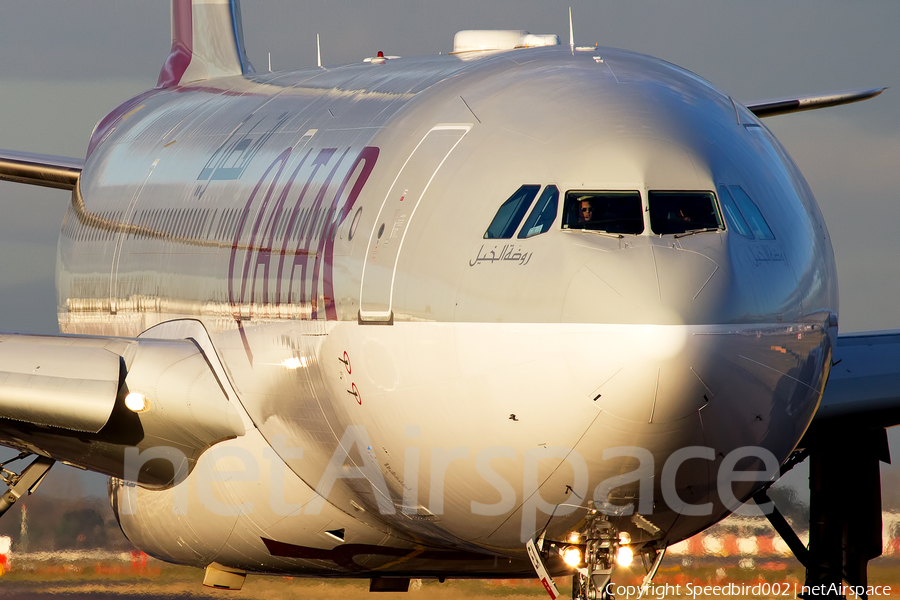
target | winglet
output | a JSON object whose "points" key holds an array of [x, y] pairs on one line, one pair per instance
{"points": [[207, 42]]}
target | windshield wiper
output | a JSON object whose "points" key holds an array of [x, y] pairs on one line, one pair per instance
{"points": [[693, 231], [617, 236]]}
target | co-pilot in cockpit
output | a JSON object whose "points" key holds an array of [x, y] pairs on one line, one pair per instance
{"points": [[621, 212]]}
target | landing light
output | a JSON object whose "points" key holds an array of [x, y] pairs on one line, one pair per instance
{"points": [[624, 556], [136, 402], [572, 556]]}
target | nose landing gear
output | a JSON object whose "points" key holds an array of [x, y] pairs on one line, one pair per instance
{"points": [[594, 552], [602, 545]]}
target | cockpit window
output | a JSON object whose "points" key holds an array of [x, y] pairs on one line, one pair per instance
{"points": [[511, 212], [683, 212], [732, 215], [751, 212], [543, 214], [609, 212]]}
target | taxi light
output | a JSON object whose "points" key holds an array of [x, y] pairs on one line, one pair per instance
{"points": [[572, 556], [136, 402], [625, 556]]}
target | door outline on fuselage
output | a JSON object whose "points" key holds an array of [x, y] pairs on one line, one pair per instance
{"points": [[122, 233], [378, 288]]}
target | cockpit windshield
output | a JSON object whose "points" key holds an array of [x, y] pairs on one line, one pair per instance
{"points": [[683, 212], [615, 212]]}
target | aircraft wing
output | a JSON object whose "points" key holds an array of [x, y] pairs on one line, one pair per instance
{"points": [[863, 390], [45, 170], [783, 106]]}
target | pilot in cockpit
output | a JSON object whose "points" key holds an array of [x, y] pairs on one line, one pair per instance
{"points": [[586, 212]]}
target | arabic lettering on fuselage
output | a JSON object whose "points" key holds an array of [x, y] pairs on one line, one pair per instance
{"points": [[765, 253], [506, 253], [312, 219]]}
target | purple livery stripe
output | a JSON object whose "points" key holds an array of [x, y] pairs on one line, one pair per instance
{"points": [[182, 45]]}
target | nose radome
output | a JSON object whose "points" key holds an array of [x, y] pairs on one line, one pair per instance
{"points": [[657, 376], [682, 275], [655, 284], [665, 296]]}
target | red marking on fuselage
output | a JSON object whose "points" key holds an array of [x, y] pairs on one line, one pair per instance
{"points": [[367, 157], [302, 258], [264, 256], [265, 250], [239, 301], [319, 161], [314, 223]]}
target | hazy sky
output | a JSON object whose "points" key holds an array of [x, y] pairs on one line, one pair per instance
{"points": [[65, 64]]}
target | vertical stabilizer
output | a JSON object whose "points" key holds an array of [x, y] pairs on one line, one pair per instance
{"points": [[207, 42]]}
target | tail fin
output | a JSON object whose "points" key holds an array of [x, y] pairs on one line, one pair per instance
{"points": [[207, 42]]}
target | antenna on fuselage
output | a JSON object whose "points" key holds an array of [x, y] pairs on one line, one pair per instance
{"points": [[318, 51], [571, 32], [270, 62]]}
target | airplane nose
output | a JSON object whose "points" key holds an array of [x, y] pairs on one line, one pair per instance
{"points": [[655, 295], [687, 337], [682, 362], [649, 281], [655, 377]]}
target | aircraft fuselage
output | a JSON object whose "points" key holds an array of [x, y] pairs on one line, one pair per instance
{"points": [[328, 230]]}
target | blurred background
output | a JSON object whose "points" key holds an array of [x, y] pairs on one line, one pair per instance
{"points": [[65, 65]]}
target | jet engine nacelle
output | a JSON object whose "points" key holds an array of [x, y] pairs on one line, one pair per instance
{"points": [[98, 403]]}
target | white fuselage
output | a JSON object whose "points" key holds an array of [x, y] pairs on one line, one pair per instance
{"points": [[327, 230]]}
